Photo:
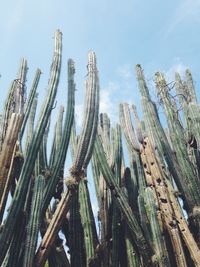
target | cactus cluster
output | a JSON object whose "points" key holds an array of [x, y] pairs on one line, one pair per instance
{"points": [[146, 178]]}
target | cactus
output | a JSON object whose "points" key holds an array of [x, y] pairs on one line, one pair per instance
{"points": [[122, 202], [34, 221], [32, 151], [140, 186], [64, 142], [7, 150], [189, 179], [85, 145]]}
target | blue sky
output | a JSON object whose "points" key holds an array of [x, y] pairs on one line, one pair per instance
{"points": [[162, 35], [158, 34]]}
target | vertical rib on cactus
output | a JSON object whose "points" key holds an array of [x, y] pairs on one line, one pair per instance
{"points": [[30, 123], [161, 255], [59, 129], [125, 121], [76, 242], [105, 133], [138, 126], [122, 202], [34, 222], [96, 177], [33, 149], [88, 224], [116, 218], [84, 145]]}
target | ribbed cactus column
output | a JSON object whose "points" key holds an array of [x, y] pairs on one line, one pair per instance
{"points": [[34, 221], [153, 171], [190, 183], [190, 87], [61, 150], [88, 224], [157, 134], [30, 123], [169, 207], [82, 157], [15, 99], [6, 154], [148, 215], [30, 101], [116, 216], [122, 203], [28, 166], [76, 242]]}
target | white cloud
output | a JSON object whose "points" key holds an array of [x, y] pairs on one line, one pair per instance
{"points": [[108, 97], [124, 71], [178, 66]]}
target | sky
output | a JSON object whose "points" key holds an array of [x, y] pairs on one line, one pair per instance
{"points": [[160, 35]]}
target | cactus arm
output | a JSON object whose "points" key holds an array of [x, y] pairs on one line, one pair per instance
{"points": [[8, 147], [125, 121], [190, 86], [16, 98], [30, 123], [30, 101], [88, 126]]}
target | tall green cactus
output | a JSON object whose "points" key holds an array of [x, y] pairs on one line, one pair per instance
{"points": [[190, 183], [33, 225], [82, 156], [64, 142], [28, 165], [122, 202]]}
